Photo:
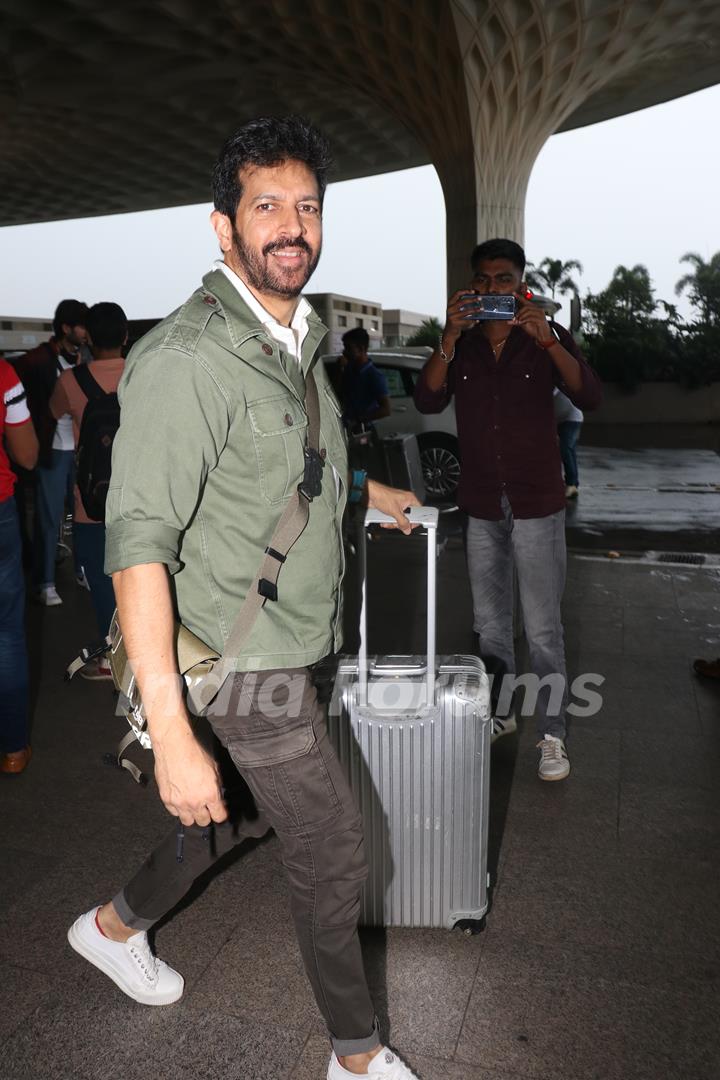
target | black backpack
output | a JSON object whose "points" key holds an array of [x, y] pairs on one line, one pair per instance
{"points": [[99, 426]]}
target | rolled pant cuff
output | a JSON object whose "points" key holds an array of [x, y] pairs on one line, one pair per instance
{"points": [[128, 916], [346, 1047]]}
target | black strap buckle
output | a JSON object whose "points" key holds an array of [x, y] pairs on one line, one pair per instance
{"points": [[311, 484], [267, 589]]}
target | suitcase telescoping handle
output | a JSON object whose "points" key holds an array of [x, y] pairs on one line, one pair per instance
{"points": [[427, 517]]}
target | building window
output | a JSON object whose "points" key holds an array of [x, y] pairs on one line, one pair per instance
{"points": [[375, 324], [358, 322], [347, 305], [364, 309], [342, 320], [6, 325]]}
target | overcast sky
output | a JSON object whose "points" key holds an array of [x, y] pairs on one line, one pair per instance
{"points": [[639, 189]]}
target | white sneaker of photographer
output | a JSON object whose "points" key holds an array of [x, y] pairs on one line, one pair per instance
{"points": [[554, 762], [130, 964]]}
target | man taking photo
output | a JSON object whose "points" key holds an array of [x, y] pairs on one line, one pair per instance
{"points": [[502, 372]]}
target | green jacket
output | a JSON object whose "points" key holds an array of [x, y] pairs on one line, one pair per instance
{"points": [[209, 450]]}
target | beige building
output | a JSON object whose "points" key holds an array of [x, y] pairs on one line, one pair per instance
{"points": [[342, 313], [19, 335], [399, 325]]}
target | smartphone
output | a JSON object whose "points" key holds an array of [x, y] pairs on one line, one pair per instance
{"points": [[489, 306]]}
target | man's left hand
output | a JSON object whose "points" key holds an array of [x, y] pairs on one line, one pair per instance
{"points": [[393, 502], [531, 318]]}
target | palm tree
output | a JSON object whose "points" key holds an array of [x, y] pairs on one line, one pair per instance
{"points": [[554, 274], [428, 333], [703, 285], [632, 291]]}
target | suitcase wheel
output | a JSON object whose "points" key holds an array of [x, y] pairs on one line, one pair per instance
{"points": [[470, 927]]}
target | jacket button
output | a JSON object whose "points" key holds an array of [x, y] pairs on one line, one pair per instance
{"points": [[209, 299], [267, 349], [288, 419], [323, 453]]}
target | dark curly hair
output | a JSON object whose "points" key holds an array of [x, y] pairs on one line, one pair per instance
{"points": [[499, 248], [265, 142]]}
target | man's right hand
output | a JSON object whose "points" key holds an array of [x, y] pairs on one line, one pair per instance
{"points": [[188, 780]]}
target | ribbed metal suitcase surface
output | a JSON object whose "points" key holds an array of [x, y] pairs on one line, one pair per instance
{"points": [[403, 467], [414, 737], [420, 774]]}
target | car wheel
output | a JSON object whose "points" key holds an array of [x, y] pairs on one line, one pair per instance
{"points": [[440, 462]]}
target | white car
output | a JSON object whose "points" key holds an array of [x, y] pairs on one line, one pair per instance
{"points": [[436, 433]]}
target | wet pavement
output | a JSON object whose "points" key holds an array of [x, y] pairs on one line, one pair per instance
{"points": [[666, 499]]}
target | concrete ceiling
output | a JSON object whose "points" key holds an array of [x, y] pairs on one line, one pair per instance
{"points": [[122, 105]]}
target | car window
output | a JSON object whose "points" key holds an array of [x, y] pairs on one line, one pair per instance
{"points": [[395, 381]]}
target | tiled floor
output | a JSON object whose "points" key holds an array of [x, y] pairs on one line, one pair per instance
{"points": [[601, 957]]}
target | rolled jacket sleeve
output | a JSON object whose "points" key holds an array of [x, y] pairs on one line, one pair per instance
{"points": [[174, 422]]}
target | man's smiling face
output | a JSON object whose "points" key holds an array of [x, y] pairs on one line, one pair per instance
{"points": [[277, 232]]}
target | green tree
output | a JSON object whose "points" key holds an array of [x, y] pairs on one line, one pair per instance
{"points": [[428, 333], [625, 341], [554, 275], [703, 286]]}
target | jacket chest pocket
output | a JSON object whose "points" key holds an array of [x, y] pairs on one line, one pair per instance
{"points": [[279, 427], [336, 436]]}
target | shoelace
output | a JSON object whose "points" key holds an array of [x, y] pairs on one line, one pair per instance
{"points": [[145, 960], [550, 750]]}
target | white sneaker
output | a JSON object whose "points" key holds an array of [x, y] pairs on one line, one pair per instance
{"points": [[386, 1066], [503, 725], [48, 596], [554, 763], [131, 964]]}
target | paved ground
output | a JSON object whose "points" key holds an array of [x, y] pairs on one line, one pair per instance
{"points": [[601, 957]]}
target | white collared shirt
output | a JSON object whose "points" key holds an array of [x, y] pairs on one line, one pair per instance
{"points": [[291, 337]]}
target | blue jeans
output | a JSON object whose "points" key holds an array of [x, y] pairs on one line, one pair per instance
{"points": [[51, 489], [537, 548], [568, 434], [89, 543], [13, 651]]}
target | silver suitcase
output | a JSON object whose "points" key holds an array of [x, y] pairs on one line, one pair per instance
{"points": [[414, 737], [403, 468]]}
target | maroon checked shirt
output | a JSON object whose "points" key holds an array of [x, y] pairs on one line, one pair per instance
{"points": [[506, 424]]}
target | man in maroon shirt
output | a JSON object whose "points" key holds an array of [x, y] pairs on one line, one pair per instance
{"points": [[502, 373]]}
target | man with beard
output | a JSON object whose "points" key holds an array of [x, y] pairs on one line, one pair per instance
{"points": [[212, 447], [39, 370]]}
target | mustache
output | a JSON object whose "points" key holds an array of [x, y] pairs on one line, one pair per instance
{"points": [[279, 245]]}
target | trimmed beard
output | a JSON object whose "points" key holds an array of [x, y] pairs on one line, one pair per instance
{"points": [[257, 269]]}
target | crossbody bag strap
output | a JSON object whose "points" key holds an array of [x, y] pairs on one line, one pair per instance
{"points": [[288, 529]]}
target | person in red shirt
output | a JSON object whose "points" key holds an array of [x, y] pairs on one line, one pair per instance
{"points": [[502, 374], [17, 439], [107, 330]]}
